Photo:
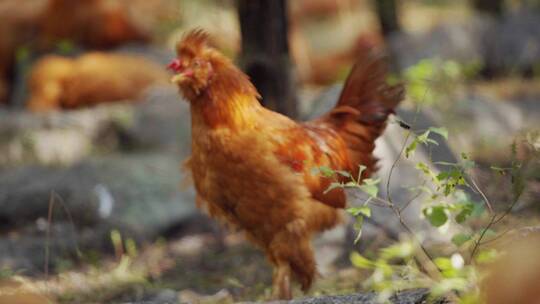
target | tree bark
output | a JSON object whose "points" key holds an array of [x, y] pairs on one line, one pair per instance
{"points": [[265, 52], [493, 8], [388, 16]]}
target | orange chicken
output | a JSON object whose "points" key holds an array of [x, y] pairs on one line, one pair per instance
{"points": [[60, 82], [252, 167]]}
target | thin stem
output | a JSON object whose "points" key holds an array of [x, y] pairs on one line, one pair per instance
{"points": [[394, 164], [48, 235], [412, 199], [494, 220], [484, 197]]}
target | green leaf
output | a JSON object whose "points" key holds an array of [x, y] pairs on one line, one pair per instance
{"points": [[360, 261], [350, 185], [358, 224], [326, 171], [423, 137], [371, 190], [443, 263], [427, 171], [467, 164], [487, 256], [436, 215], [409, 151], [400, 250], [432, 141], [424, 168], [344, 173], [501, 171], [441, 131], [443, 175], [363, 210], [466, 211], [370, 181], [332, 187], [460, 239], [445, 286]]}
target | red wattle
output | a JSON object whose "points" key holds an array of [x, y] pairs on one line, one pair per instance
{"points": [[175, 65]]}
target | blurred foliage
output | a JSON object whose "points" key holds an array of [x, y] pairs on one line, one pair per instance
{"points": [[453, 270], [434, 81]]}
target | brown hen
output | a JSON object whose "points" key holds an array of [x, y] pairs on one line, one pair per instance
{"points": [[252, 166], [57, 82]]}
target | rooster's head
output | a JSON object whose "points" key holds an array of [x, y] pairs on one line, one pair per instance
{"points": [[194, 67]]}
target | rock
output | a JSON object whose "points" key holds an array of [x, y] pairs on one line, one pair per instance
{"points": [[165, 296], [222, 296], [412, 296], [139, 195], [513, 45], [503, 46], [160, 121], [139, 190], [458, 42], [114, 166]]}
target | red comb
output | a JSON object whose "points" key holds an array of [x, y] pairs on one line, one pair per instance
{"points": [[175, 65]]}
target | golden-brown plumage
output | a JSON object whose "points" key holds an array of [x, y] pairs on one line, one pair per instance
{"points": [[91, 23], [61, 82], [252, 167]]}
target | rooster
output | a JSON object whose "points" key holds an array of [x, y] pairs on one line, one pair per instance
{"points": [[252, 167]]}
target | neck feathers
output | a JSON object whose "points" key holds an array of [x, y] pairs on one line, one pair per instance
{"points": [[230, 99]]}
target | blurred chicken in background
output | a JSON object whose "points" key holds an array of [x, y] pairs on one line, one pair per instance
{"points": [[92, 23], [60, 82], [40, 25]]}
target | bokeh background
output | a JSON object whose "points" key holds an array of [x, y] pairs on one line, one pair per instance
{"points": [[94, 207]]}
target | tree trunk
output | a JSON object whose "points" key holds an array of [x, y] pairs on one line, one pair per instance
{"points": [[265, 52], [493, 8], [388, 16]]}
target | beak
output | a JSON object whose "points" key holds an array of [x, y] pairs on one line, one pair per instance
{"points": [[181, 76], [178, 78], [181, 73]]}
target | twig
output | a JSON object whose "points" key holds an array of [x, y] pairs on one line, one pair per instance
{"points": [[53, 198], [484, 197], [412, 199], [71, 222], [48, 236], [493, 221], [394, 164], [426, 261], [496, 237]]}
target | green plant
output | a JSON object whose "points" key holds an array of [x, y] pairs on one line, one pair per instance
{"points": [[434, 81], [408, 263]]}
